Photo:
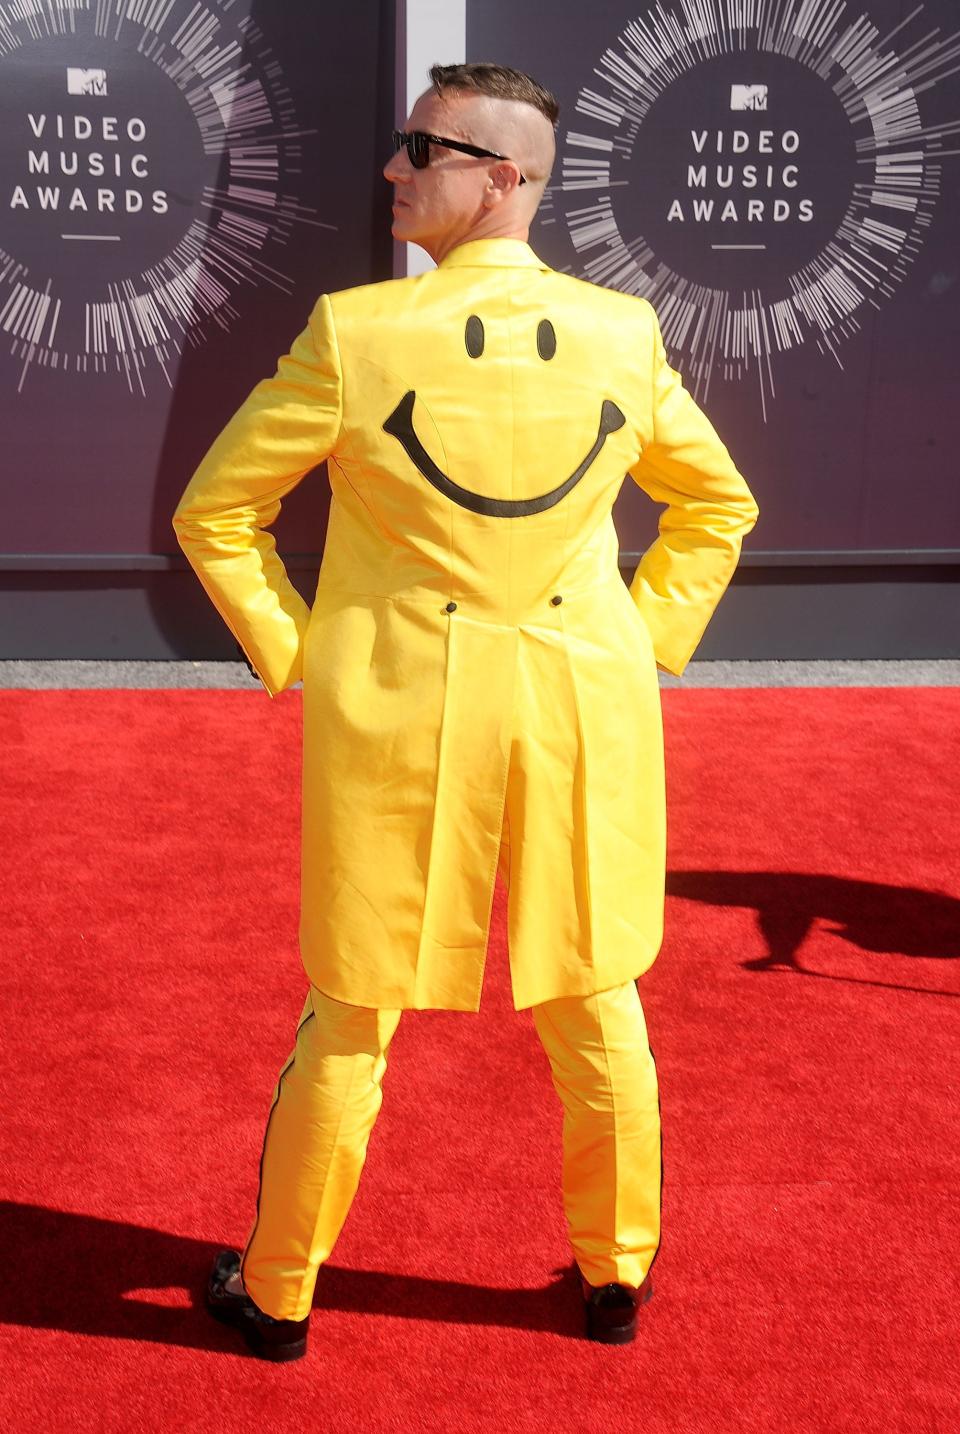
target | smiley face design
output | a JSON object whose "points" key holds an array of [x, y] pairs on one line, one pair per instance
{"points": [[400, 425]]}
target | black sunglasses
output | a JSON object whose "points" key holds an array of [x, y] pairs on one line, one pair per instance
{"points": [[418, 148]]}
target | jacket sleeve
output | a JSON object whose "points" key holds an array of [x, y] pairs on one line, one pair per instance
{"points": [[709, 509], [287, 425]]}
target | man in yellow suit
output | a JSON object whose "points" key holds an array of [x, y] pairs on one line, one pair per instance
{"points": [[480, 686]]}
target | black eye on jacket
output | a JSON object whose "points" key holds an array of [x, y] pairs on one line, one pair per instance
{"points": [[546, 339], [473, 337]]}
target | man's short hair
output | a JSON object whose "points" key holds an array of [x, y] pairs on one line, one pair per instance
{"points": [[497, 80]]}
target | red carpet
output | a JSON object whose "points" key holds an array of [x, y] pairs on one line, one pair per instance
{"points": [[803, 1012]]}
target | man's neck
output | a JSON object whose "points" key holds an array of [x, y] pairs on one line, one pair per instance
{"points": [[451, 242]]}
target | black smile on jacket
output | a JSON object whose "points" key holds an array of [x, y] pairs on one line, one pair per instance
{"points": [[400, 425]]}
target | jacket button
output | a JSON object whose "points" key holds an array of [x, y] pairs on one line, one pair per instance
{"points": [[556, 599], [451, 607]]}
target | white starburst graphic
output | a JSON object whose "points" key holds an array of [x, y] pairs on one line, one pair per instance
{"points": [[143, 253], [731, 280]]}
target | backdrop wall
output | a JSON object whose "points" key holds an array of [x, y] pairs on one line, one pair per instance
{"points": [[175, 191], [780, 179]]}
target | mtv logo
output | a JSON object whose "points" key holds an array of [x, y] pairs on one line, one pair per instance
{"points": [[748, 97], [86, 82]]}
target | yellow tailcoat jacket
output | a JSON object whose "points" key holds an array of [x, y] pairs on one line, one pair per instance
{"points": [[479, 683]]}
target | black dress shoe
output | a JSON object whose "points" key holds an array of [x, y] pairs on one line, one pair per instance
{"points": [[611, 1310], [269, 1338]]}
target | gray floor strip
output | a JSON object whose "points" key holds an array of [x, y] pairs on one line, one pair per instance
{"points": [[867, 673]]}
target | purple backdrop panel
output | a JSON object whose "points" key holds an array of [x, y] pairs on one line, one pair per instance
{"points": [[177, 189], [780, 179]]}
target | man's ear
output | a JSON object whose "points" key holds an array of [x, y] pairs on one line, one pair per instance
{"points": [[504, 178]]}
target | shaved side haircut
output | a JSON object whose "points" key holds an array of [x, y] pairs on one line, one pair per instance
{"points": [[497, 80]]}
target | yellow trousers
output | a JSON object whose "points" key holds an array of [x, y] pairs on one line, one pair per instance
{"points": [[327, 1097]]}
